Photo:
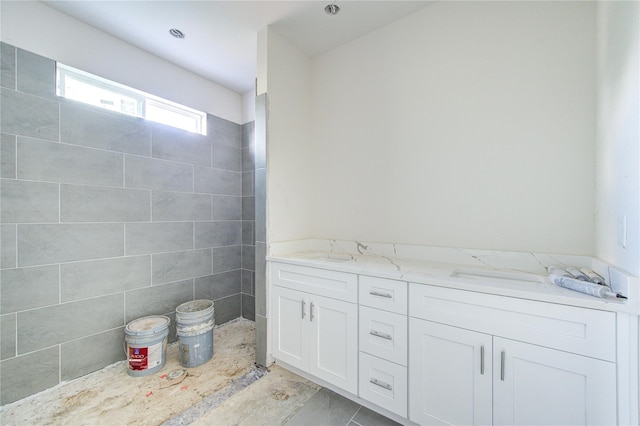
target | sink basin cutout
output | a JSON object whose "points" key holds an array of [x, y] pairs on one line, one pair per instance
{"points": [[502, 275]]}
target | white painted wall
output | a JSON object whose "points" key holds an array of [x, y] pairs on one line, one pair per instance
{"points": [[40, 29], [618, 136], [284, 74], [466, 124]]}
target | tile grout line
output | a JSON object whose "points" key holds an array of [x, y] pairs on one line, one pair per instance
{"points": [[59, 284], [354, 416]]}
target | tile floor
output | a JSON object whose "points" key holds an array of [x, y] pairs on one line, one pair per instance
{"points": [[327, 408]]}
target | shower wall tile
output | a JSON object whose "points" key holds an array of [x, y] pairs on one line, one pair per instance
{"points": [[226, 258], [157, 300], [248, 304], [102, 210], [80, 203], [27, 115], [8, 334], [261, 205], [8, 66], [227, 157], [161, 237], [261, 279], [247, 135], [46, 244], [7, 156], [92, 353], [248, 232], [248, 161], [226, 207], [81, 280], [247, 282], [56, 162], [248, 258], [261, 338], [98, 128], [172, 326], [218, 286], [29, 288], [216, 181], [218, 233], [162, 175], [19, 382], [44, 327], [36, 74], [8, 254], [174, 206], [28, 202], [247, 183], [224, 131], [248, 307], [177, 145], [248, 208], [227, 308], [170, 267]]}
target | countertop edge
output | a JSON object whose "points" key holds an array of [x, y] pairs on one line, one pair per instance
{"points": [[548, 292]]}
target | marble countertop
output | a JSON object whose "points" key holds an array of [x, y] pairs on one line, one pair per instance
{"points": [[512, 274]]}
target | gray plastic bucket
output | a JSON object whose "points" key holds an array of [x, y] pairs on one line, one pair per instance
{"points": [[146, 344], [194, 327]]}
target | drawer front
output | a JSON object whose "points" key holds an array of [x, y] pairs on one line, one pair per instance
{"points": [[382, 293], [578, 330], [383, 334], [383, 383], [323, 282]]}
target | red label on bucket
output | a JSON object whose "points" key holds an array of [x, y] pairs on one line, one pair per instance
{"points": [[145, 357], [138, 359]]}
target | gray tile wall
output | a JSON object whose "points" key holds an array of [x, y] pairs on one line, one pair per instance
{"points": [[106, 218], [247, 231], [260, 225]]}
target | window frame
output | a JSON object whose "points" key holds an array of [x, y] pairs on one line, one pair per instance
{"points": [[142, 99]]}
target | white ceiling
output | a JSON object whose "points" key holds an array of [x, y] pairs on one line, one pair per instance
{"points": [[221, 36]]}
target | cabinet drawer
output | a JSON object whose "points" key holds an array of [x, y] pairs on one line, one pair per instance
{"points": [[383, 383], [383, 293], [578, 330], [383, 334], [323, 282]]}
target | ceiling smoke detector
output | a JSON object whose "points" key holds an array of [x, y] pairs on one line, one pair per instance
{"points": [[176, 33], [332, 9]]}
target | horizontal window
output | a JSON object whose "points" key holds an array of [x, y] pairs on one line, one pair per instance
{"points": [[97, 91]]}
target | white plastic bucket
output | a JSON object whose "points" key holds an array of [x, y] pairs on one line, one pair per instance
{"points": [[146, 344], [194, 327]]}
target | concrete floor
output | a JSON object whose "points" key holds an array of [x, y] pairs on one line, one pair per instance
{"points": [[227, 390]]}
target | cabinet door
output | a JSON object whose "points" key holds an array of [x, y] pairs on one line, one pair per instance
{"points": [[450, 375], [541, 386], [334, 342], [290, 327]]}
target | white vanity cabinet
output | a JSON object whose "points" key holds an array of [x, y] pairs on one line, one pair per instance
{"points": [[485, 359], [451, 375], [314, 316], [431, 354], [383, 343], [538, 385]]}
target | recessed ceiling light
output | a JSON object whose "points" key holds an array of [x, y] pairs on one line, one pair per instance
{"points": [[176, 33], [332, 9]]}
